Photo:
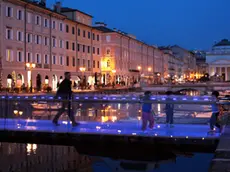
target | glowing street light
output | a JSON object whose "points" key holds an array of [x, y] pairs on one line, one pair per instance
{"points": [[82, 69], [29, 67], [149, 69], [139, 68], [114, 71]]}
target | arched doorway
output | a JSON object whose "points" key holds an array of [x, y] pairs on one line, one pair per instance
{"points": [[20, 80], [9, 81], [54, 82], [39, 82]]}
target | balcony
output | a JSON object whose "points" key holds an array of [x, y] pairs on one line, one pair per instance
{"points": [[46, 66], [38, 65]]}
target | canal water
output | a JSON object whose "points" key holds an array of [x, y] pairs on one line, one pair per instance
{"points": [[15, 157]]}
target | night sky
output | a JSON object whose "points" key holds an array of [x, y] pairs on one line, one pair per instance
{"points": [[192, 24]]}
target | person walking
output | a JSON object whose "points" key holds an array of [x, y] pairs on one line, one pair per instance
{"points": [[216, 112], [147, 115], [169, 107], [65, 92]]}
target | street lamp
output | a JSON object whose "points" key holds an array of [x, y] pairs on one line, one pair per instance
{"points": [[149, 69], [139, 68], [30, 66]]}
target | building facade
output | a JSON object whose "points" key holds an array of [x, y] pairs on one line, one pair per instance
{"points": [[218, 60], [39, 44], [189, 61]]}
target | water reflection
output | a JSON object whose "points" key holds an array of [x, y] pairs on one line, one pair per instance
{"points": [[42, 158]]}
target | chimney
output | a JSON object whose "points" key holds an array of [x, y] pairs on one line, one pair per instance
{"points": [[43, 3], [101, 24], [57, 7]]}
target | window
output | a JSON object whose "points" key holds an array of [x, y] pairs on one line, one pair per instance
{"points": [[73, 30], [38, 58], [108, 38], [108, 51], [83, 48], [78, 32], [29, 37], [78, 62], [19, 36], [20, 56], [94, 64], [84, 33], [54, 42], [46, 41], [73, 61], [19, 15], [108, 63], [93, 50], [78, 47], [93, 36], [83, 62], [73, 46], [53, 25], [67, 61], [9, 34], [29, 58], [98, 64], [98, 38], [67, 45], [67, 28], [89, 34], [38, 20], [98, 51], [9, 12], [9, 55], [88, 49], [61, 60], [37, 39], [46, 23], [29, 17], [89, 64], [61, 27], [54, 60], [46, 59], [61, 44]]}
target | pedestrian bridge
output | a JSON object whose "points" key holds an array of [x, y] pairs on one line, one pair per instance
{"points": [[20, 122], [196, 86]]}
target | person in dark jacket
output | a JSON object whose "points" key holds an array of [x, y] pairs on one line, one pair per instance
{"points": [[65, 92], [169, 108]]}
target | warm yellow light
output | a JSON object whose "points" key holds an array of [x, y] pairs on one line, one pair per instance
{"points": [[15, 112], [149, 69], [27, 65], [114, 118], [82, 69], [114, 71], [139, 67], [33, 65], [20, 113]]}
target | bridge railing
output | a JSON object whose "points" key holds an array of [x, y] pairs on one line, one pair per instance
{"points": [[37, 112]]}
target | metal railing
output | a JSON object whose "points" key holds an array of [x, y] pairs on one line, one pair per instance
{"points": [[37, 112]]}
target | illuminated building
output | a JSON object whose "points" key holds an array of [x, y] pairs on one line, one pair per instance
{"points": [[218, 60]]}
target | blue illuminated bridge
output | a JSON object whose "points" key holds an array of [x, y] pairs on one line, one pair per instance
{"points": [[106, 138]]}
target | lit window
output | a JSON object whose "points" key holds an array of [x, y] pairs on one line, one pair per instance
{"points": [[9, 55]]}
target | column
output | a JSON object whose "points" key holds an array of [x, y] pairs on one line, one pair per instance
{"points": [[226, 73]]}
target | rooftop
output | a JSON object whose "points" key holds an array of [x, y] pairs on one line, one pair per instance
{"points": [[67, 9], [223, 42]]}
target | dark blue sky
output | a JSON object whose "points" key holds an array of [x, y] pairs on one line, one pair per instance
{"points": [[193, 24]]}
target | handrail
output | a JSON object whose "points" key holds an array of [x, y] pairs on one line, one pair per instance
{"points": [[201, 100]]}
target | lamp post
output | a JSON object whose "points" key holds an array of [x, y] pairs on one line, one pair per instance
{"points": [[139, 69], [29, 67]]}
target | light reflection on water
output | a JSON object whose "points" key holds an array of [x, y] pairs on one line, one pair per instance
{"points": [[42, 158]]}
